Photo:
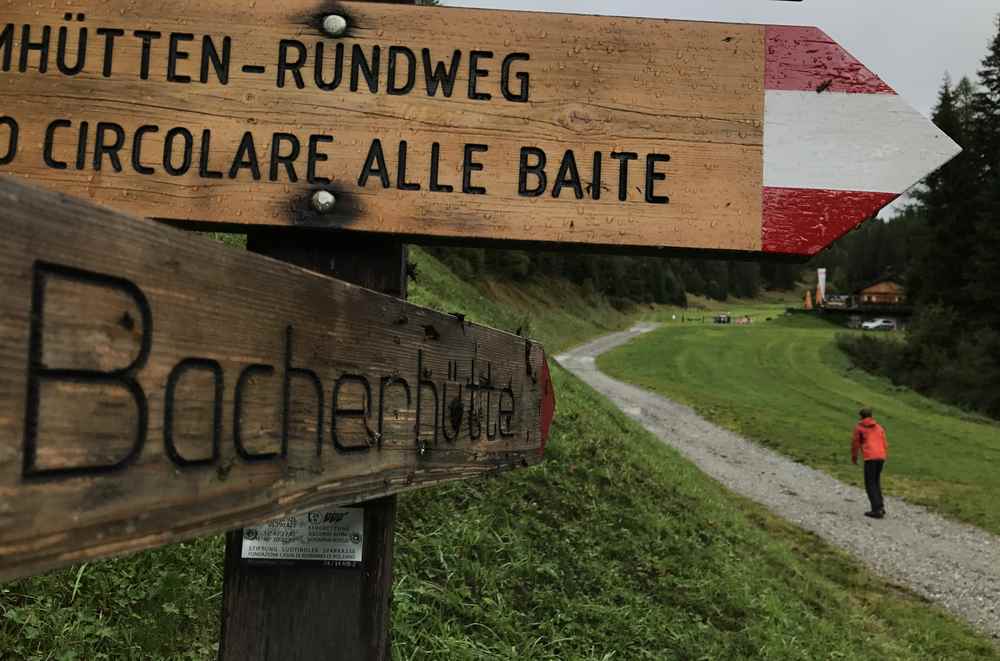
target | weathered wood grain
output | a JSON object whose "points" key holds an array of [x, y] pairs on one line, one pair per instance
{"points": [[98, 310], [302, 611], [693, 92], [308, 613]]}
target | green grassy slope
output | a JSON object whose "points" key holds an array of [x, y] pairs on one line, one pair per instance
{"points": [[785, 384], [552, 311], [617, 548], [614, 548]]}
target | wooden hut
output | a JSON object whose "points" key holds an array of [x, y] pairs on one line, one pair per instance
{"points": [[885, 291]]}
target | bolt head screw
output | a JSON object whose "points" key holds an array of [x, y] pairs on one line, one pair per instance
{"points": [[334, 25], [323, 201]]}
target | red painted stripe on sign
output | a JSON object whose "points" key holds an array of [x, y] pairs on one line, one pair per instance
{"points": [[803, 221], [547, 405], [806, 59]]}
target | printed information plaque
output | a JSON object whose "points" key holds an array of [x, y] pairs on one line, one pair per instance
{"points": [[330, 537]]}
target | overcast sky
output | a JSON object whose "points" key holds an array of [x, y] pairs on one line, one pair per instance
{"points": [[908, 43]]}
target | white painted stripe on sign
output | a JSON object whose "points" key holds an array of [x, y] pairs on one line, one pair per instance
{"points": [[853, 142]]}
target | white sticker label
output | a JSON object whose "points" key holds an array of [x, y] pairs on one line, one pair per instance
{"points": [[332, 536]]}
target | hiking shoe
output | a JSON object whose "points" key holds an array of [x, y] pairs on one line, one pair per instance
{"points": [[875, 515]]}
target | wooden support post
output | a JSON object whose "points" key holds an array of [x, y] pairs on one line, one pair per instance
{"points": [[306, 612]]}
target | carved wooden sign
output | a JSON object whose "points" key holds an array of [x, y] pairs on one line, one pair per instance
{"points": [[457, 124], [156, 386]]}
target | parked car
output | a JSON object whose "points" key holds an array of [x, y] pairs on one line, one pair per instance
{"points": [[722, 318], [879, 324]]}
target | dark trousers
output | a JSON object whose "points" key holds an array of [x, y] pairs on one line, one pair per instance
{"points": [[873, 483]]}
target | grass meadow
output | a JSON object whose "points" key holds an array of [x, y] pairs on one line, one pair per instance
{"points": [[785, 384]]}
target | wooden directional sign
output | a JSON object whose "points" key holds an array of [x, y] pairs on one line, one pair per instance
{"points": [[457, 124], [156, 386]]}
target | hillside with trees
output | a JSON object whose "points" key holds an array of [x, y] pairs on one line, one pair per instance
{"points": [[947, 245], [626, 280]]}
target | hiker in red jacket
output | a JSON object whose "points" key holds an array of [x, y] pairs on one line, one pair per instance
{"points": [[869, 438]]}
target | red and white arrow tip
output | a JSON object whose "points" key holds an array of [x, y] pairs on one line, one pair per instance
{"points": [[839, 143]]}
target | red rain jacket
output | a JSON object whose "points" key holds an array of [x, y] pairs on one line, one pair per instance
{"points": [[869, 437]]}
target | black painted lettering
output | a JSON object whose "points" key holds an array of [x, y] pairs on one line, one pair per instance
{"points": [[175, 55], [521, 96], [287, 160], [27, 45], [491, 427], [361, 412], [360, 66], [623, 158], [206, 150], [338, 67], [122, 378], [246, 158], [475, 412], [315, 156], [147, 37], [242, 381], [434, 186], [140, 133], [537, 169], [595, 182], [81, 51], [423, 383], [210, 57], [568, 175], [187, 151], [401, 182], [469, 166], [7, 46], [439, 75], [294, 67], [452, 412], [374, 165], [169, 410], [13, 131], [49, 144], [506, 409], [81, 146], [109, 34], [286, 392], [392, 85], [652, 176], [387, 382], [102, 147], [475, 73]]}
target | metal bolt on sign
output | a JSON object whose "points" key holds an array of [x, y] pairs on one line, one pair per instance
{"points": [[323, 201], [334, 25]]}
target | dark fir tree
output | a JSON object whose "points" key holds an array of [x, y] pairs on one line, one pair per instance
{"points": [[953, 346], [984, 276], [940, 267]]}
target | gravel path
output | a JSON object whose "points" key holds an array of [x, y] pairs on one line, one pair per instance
{"points": [[955, 565]]}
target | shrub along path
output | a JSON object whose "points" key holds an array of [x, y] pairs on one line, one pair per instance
{"points": [[951, 563]]}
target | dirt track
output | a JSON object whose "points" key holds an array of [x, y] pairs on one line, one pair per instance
{"points": [[952, 564]]}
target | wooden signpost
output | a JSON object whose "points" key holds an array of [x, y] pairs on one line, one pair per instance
{"points": [[456, 124], [156, 386]]}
